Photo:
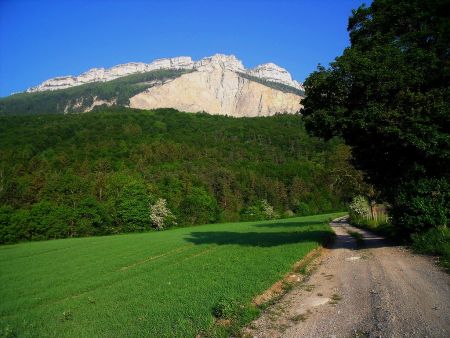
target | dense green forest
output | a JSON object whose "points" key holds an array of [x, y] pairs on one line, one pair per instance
{"points": [[77, 99], [97, 173]]}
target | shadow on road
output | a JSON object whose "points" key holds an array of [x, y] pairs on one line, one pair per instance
{"points": [[369, 239]]}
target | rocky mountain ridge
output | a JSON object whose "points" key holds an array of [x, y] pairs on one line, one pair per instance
{"points": [[269, 71], [218, 85]]}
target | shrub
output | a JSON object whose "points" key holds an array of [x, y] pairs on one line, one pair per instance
{"points": [[231, 316], [422, 204], [267, 210], [359, 207], [161, 216], [302, 209], [288, 213], [225, 309], [435, 241], [261, 210], [376, 219]]}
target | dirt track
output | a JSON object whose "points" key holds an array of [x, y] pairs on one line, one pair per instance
{"points": [[371, 290]]}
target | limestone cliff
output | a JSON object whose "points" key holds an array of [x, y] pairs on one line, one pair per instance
{"points": [[218, 91]]}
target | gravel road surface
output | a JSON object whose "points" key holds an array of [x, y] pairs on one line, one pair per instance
{"points": [[363, 289]]}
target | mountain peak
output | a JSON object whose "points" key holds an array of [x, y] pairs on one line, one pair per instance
{"points": [[272, 72], [225, 62]]}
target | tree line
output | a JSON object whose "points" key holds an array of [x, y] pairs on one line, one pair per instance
{"points": [[103, 172]]}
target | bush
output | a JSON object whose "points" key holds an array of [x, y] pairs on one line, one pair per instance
{"points": [[302, 209], [377, 220], [422, 204], [267, 210], [92, 218], [261, 210], [161, 216], [226, 309], [435, 241], [7, 232], [288, 213], [231, 316], [359, 207]]}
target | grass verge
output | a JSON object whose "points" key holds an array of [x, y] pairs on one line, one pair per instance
{"points": [[435, 242], [380, 226]]}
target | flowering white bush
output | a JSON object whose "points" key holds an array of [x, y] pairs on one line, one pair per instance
{"points": [[267, 210], [258, 211], [359, 207], [160, 215]]}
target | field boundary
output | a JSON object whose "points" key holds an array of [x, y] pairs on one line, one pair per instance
{"points": [[298, 274]]}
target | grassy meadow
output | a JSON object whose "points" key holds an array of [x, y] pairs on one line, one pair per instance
{"points": [[154, 284]]}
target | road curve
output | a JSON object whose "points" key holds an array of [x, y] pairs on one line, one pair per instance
{"points": [[372, 289]]}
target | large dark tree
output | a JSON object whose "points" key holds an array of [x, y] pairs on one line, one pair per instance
{"points": [[388, 97]]}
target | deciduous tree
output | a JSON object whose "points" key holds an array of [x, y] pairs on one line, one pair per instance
{"points": [[388, 96]]}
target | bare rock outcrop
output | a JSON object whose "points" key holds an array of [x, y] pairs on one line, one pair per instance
{"points": [[218, 88], [274, 73]]}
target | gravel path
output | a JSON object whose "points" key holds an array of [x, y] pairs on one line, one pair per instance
{"points": [[368, 290]]}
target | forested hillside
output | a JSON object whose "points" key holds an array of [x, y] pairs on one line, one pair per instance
{"points": [[78, 99], [97, 173]]}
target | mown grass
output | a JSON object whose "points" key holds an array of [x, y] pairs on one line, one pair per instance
{"points": [[158, 284]]}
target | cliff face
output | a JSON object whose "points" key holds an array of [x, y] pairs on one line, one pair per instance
{"points": [[217, 89]]}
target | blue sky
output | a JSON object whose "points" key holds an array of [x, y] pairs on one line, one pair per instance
{"points": [[42, 39]]}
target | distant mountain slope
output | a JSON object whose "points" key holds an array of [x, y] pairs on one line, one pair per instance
{"points": [[217, 85], [86, 97]]}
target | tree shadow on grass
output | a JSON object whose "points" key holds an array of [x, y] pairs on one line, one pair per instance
{"points": [[261, 239]]}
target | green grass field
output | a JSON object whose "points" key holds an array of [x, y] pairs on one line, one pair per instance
{"points": [[156, 284]]}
